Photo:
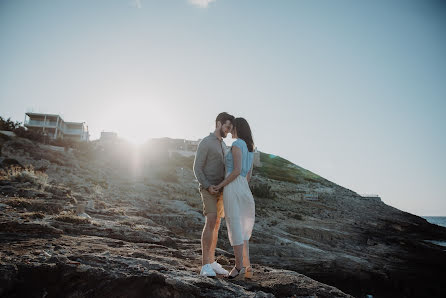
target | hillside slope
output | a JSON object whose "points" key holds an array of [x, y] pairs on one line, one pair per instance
{"points": [[146, 221]]}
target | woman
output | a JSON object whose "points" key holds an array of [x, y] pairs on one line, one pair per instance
{"points": [[237, 197]]}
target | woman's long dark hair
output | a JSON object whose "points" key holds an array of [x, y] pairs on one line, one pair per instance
{"points": [[244, 132]]}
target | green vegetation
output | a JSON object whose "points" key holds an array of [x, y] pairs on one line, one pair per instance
{"points": [[8, 124], [19, 130], [155, 155], [277, 168]]}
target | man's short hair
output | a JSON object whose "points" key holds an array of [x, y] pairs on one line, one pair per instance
{"points": [[223, 117]]}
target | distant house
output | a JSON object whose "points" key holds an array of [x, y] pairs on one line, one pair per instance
{"points": [[191, 145], [76, 131], [56, 128], [108, 136], [183, 147]]}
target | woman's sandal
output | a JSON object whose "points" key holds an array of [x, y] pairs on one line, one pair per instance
{"points": [[239, 273], [248, 272]]}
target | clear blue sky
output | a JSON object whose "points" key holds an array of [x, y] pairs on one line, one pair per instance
{"points": [[354, 91]]}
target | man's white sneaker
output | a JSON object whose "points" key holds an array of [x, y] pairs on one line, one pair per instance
{"points": [[219, 269], [207, 270]]}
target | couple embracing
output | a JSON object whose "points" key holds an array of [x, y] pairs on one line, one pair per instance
{"points": [[223, 174]]}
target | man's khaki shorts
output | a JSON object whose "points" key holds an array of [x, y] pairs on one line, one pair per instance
{"points": [[212, 203]]}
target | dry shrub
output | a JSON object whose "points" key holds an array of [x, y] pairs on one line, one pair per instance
{"points": [[296, 216], [54, 157], [127, 223], [167, 174], [17, 144], [223, 260], [34, 151], [262, 190], [33, 205], [194, 201], [33, 215], [72, 218], [27, 174], [97, 190], [100, 205], [117, 211], [18, 202]]}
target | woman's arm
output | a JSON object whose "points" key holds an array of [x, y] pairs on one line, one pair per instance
{"points": [[237, 156]]}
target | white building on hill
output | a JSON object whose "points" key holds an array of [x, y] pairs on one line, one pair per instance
{"points": [[56, 128]]}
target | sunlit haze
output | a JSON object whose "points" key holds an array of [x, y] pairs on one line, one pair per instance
{"points": [[353, 91]]}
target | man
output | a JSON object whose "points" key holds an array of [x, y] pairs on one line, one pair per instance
{"points": [[209, 169]]}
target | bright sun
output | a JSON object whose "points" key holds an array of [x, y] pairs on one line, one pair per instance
{"points": [[137, 121]]}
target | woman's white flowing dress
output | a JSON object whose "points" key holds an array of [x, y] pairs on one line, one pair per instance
{"points": [[239, 210]]}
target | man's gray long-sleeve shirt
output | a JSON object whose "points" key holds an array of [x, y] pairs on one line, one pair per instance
{"points": [[209, 166]]}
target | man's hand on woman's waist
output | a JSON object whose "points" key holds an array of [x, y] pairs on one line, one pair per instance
{"points": [[212, 190]]}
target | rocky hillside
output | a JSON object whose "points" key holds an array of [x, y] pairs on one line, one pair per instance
{"points": [[117, 220]]}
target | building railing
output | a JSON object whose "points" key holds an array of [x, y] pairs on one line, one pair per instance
{"points": [[52, 124], [73, 131], [46, 123]]}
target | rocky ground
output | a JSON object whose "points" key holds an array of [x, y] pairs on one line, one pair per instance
{"points": [[115, 221]]}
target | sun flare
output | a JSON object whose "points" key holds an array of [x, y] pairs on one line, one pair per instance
{"points": [[138, 121]]}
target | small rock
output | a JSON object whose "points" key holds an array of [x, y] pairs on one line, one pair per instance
{"points": [[261, 294], [46, 254], [80, 208], [84, 215], [82, 268], [90, 204]]}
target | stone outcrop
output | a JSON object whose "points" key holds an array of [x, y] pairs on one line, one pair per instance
{"points": [[142, 233]]}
